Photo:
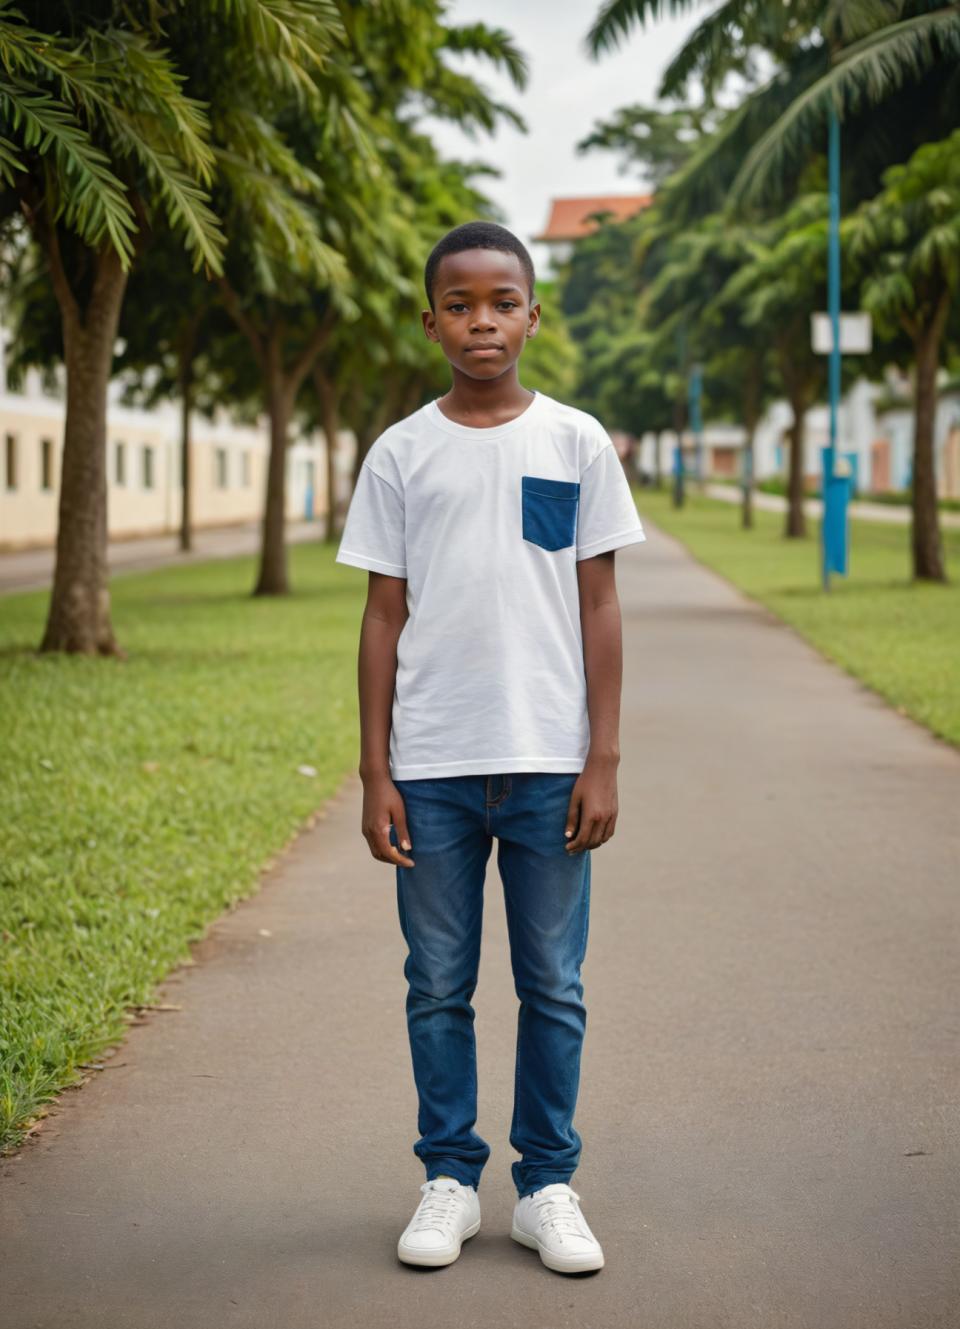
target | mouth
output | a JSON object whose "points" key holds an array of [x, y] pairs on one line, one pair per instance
{"points": [[485, 350]]}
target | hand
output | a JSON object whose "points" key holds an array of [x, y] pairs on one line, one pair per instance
{"points": [[383, 807], [593, 802]]}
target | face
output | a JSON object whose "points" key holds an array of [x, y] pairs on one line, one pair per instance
{"points": [[483, 312]]}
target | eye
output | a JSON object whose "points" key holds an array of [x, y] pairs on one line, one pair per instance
{"points": [[457, 305], [508, 304]]}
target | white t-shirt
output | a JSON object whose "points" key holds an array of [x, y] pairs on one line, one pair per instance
{"points": [[487, 526]]}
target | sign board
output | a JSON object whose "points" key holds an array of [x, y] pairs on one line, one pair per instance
{"points": [[856, 334]]}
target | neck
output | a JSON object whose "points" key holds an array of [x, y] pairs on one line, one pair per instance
{"points": [[492, 399]]}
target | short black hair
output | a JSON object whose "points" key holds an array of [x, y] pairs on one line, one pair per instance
{"points": [[476, 235]]}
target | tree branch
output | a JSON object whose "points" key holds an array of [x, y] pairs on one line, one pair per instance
{"points": [[246, 325], [314, 346], [34, 208]]}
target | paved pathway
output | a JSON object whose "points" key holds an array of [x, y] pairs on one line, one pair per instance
{"points": [[32, 569], [770, 1080], [893, 514]]}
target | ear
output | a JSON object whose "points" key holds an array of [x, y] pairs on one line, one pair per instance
{"points": [[429, 320], [533, 323]]}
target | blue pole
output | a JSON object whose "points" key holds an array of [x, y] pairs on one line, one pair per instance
{"points": [[833, 281], [833, 307], [695, 393]]}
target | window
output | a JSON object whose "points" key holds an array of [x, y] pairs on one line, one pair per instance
{"points": [[220, 467], [147, 463], [245, 468], [10, 459], [46, 464], [120, 464]]}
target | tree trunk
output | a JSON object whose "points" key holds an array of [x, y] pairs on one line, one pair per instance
{"points": [[657, 462], [186, 352], [746, 507], [186, 468], [795, 526], [679, 418], [281, 386], [273, 549], [751, 414], [78, 619], [799, 385], [926, 541], [328, 395], [369, 427]]}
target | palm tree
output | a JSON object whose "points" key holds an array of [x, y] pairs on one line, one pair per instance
{"points": [[101, 143], [888, 68], [908, 241], [859, 59]]}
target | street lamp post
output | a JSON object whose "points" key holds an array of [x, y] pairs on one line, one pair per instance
{"points": [[694, 399], [833, 519]]}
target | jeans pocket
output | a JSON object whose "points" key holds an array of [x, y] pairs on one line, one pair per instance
{"points": [[549, 511]]}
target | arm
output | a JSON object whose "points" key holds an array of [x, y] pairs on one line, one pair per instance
{"points": [[594, 797], [383, 618]]}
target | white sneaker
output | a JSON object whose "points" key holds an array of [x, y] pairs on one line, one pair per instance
{"points": [[550, 1222], [447, 1215]]}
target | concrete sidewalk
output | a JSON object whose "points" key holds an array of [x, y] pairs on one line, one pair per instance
{"points": [[770, 1076], [32, 569], [892, 514]]}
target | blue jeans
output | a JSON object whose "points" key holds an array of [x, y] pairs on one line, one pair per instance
{"points": [[452, 822]]}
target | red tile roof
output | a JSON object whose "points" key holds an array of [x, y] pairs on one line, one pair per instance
{"points": [[570, 217]]}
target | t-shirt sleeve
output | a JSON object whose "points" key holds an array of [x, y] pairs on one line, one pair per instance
{"points": [[373, 533], [608, 516]]}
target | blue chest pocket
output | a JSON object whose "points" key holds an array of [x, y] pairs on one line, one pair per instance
{"points": [[549, 511]]}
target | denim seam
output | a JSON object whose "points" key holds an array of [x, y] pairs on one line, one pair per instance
{"points": [[586, 923], [547, 1179]]}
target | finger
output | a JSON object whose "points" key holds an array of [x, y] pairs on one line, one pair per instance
{"points": [[375, 844], [400, 822], [573, 816], [581, 840], [609, 829], [388, 847], [596, 839]]}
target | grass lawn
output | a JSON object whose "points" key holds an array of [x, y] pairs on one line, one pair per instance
{"points": [[902, 640], [142, 798]]}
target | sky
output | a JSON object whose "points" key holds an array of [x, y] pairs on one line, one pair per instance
{"points": [[566, 94]]}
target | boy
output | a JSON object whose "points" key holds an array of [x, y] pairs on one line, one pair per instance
{"points": [[489, 682]]}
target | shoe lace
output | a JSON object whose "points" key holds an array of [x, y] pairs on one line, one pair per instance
{"points": [[437, 1209], [559, 1212]]}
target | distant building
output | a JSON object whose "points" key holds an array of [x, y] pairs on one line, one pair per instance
{"points": [[573, 218], [229, 467], [876, 436]]}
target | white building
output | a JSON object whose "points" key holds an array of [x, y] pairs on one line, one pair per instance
{"points": [[228, 467], [875, 428]]}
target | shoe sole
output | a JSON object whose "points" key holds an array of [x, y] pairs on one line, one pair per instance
{"points": [[576, 1264], [431, 1260]]}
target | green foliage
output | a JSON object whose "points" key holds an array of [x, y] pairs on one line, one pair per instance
{"points": [[889, 67], [865, 74], [657, 142], [551, 359], [906, 241]]}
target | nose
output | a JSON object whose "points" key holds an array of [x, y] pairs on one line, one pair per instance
{"points": [[482, 320]]}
